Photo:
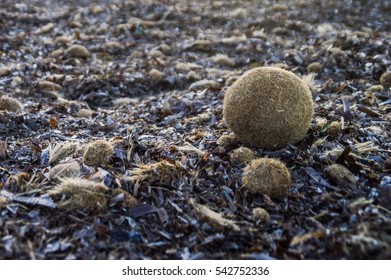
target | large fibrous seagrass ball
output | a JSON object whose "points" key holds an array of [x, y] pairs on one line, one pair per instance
{"points": [[268, 108]]}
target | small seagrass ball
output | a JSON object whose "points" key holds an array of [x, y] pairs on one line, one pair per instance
{"points": [[261, 215], [266, 176], [98, 152], [385, 80], [10, 104], [242, 155], [268, 108]]}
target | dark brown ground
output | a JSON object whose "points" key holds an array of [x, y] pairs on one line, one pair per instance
{"points": [[320, 219]]}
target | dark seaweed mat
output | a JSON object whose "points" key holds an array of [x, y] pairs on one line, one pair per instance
{"points": [[163, 225]]}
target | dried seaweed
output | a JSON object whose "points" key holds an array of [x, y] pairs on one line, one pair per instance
{"points": [[30, 200]]}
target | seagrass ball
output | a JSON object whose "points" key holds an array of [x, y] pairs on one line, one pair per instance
{"points": [[261, 215], [10, 104], [242, 155], [98, 152], [266, 176], [268, 108], [385, 80]]}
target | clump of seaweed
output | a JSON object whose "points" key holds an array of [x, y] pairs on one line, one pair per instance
{"points": [[162, 172], [80, 194], [64, 170], [60, 151]]}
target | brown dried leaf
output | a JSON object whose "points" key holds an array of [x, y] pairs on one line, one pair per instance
{"points": [[359, 203], [213, 218], [298, 239]]}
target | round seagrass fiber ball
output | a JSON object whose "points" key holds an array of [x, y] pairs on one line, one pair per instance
{"points": [[266, 176], [268, 108]]}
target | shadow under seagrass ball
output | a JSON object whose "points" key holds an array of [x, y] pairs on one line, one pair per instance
{"points": [[266, 176], [268, 108]]}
